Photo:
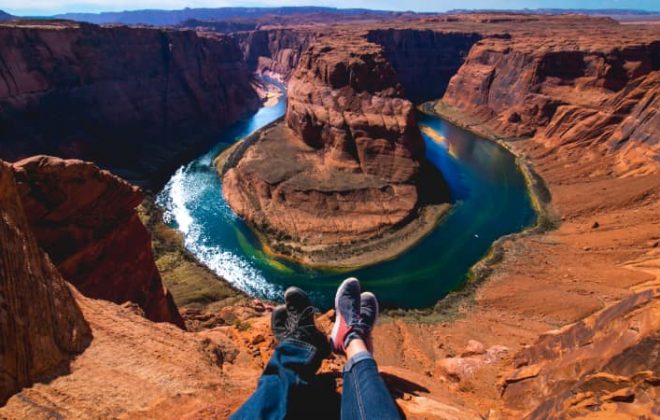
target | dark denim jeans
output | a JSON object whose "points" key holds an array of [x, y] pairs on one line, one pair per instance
{"points": [[285, 389]]}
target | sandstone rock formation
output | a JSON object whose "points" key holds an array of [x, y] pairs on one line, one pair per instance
{"points": [[596, 92], [424, 60], [135, 100], [601, 363], [41, 326], [346, 168], [346, 101], [274, 51], [85, 219]]}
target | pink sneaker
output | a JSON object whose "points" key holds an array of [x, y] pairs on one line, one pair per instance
{"points": [[355, 316]]}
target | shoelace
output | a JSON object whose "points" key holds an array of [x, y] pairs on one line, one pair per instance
{"points": [[293, 320]]}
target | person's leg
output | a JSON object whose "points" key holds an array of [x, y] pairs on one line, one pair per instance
{"points": [[364, 393], [296, 359]]}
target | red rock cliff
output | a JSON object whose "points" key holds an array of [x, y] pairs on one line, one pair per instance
{"points": [[41, 326], [274, 51], [134, 100], [85, 219], [597, 93], [345, 100], [424, 60]]}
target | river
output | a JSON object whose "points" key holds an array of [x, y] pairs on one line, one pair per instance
{"points": [[489, 194]]}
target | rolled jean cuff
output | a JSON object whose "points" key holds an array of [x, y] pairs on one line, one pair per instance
{"points": [[363, 355]]}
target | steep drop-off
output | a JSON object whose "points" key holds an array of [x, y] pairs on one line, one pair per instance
{"points": [[85, 219], [345, 168], [274, 51], [599, 94], [135, 100], [41, 326], [424, 60]]}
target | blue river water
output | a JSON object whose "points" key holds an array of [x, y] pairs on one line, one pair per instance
{"points": [[489, 195]]}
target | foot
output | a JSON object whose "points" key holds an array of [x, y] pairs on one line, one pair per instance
{"points": [[349, 324], [369, 315], [278, 322], [295, 320]]}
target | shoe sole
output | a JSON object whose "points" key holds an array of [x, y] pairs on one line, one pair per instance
{"points": [[295, 290], [292, 289], [338, 318]]}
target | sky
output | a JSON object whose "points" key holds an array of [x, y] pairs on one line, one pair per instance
{"points": [[49, 7]]}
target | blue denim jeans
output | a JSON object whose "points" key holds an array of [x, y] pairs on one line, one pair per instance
{"points": [[286, 388]]}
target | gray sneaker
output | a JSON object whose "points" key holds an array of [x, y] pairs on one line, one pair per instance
{"points": [[369, 315], [295, 320], [348, 321]]}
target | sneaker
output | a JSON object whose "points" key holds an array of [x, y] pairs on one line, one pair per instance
{"points": [[369, 315], [295, 320], [278, 322], [348, 322]]}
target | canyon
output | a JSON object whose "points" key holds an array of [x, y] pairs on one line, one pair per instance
{"points": [[138, 101], [558, 321]]}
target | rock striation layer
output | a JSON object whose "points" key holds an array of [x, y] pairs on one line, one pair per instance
{"points": [[596, 93], [41, 326], [424, 60], [85, 219], [135, 100], [601, 363], [274, 51]]}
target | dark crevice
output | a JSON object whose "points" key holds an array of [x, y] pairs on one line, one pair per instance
{"points": [[424, 60]]}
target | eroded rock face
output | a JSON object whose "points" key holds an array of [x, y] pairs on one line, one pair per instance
{"points": [[134, 100], [424, 60], [284, 188], [596, 93], [346, 101], [85, 219], [274, 51], [41, 326], [606, 359]]}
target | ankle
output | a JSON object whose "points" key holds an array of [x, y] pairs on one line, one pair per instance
{"points": [[355, 346]]}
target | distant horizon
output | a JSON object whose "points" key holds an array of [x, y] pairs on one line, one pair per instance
{"points": [[47, 8]]}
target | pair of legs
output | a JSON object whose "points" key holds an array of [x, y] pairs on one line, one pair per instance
{"points": [[286, 389]]}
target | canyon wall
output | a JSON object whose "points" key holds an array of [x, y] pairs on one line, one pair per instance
{"points": [[275, 51], [597, 94], [424, 60], [41, 326], [135, 100], [85, 219]]}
